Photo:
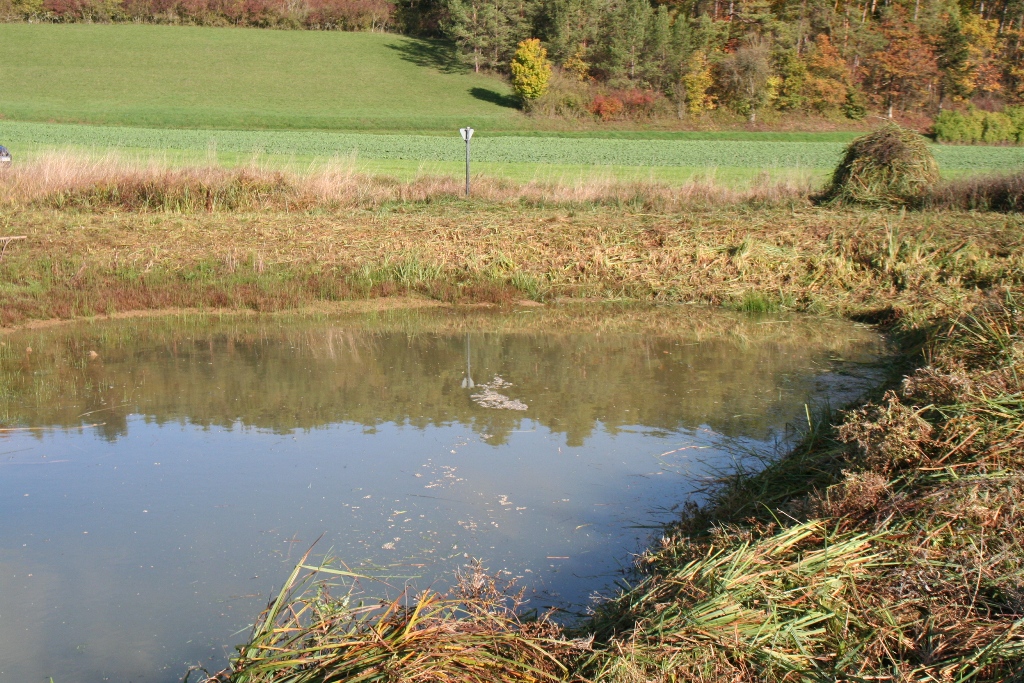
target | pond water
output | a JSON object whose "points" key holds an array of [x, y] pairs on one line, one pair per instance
{"points": [[159, 478]]}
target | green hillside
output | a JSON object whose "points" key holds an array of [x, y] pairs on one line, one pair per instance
{"points": [[173, 76]]}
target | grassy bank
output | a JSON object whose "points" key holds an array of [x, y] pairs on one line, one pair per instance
{"points": [[887, 546], [102, 240]]}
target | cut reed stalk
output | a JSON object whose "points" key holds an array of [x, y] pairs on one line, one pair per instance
{"points": [[476, 634]]}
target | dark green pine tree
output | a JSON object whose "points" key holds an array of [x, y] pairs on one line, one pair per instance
{"points": [[572, 27], [626, 36], [953, 61], [660, 59]]}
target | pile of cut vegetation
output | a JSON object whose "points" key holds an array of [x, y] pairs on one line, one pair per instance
{"points": [[889, 167]]}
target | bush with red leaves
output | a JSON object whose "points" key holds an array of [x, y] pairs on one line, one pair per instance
{"points": [[606, 106], [632, 104]]}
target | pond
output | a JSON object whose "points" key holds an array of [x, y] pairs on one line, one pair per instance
{"points": [[159, 478]]}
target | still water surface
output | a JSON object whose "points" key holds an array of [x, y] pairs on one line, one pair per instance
{"points": [[159, 478]]}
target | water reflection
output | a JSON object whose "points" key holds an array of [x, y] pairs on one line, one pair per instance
{"points": [[735, 375], [161, 477]]}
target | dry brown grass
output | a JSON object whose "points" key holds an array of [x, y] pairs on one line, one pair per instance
{"points": [[985, 193], [65, 180], [856, 262]]}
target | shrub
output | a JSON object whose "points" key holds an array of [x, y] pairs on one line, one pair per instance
{"points": [[63, 10], [567, 96], [349, 15], [531, 70], [948, 126], [28, 9], [606, 106], [889, 167], [640, 103], [977, 126], [955, 126], [633, 103], [998, 128], [1016, 115]]}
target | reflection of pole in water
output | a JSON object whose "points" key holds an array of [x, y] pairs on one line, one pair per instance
{"points": [[467, 381]]}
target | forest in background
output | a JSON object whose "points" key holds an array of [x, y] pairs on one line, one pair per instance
{"points": [[638, 59]]}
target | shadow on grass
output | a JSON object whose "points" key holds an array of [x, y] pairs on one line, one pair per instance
{"points": [[434, 54], [494, 97]]}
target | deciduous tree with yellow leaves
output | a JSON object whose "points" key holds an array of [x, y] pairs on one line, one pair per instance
{"points": [[531, 70]]}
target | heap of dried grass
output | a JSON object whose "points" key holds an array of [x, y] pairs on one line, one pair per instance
{"points": [[889, 167]]}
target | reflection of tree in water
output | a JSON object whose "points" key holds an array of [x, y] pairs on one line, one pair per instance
{"points": [[737, 376]]}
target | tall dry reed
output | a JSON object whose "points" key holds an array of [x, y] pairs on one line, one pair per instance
{"points": [[67, 180], [985, 193]]}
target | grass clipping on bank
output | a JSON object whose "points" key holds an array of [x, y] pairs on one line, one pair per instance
{"points": [[889, 167], [473, 634], [889, 546]]}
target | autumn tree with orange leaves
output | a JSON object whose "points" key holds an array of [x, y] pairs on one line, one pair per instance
{"points": [[906, 71]]}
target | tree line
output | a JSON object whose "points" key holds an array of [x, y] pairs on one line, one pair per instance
{"points": [[830, 57], [345, 15], [837, 58]]}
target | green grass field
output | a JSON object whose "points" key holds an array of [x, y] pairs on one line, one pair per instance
{"points": [[515, 157], [176, 76], [191, 77]]}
